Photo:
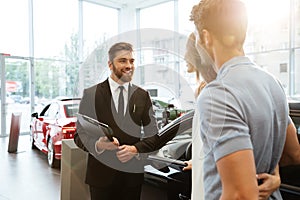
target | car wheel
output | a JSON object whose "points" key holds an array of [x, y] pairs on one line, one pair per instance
{"points": [[52, 161], [32, 140]]}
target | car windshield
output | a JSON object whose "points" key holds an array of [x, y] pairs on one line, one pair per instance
{"points": [[71, 110]]}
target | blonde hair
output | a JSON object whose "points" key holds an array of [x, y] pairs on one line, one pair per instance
{"points": [[193, 57]]}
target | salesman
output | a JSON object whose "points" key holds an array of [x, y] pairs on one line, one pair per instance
{"points": [[114, 170]]}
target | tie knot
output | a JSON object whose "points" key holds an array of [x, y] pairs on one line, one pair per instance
{"points": [[121, 88]]}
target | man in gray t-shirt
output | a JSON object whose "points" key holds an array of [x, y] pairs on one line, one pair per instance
{"points": [[243, 113], [239, 114]]}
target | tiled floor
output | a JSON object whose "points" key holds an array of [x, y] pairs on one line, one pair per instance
{"points": [[25, 175]]}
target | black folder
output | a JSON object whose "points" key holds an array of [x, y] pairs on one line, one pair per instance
{"points": [[95, 128]]}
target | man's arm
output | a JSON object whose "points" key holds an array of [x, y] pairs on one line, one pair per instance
{"points": [[150, 138], [78, 142], [238, 176], [291, 151], [149, 142]]}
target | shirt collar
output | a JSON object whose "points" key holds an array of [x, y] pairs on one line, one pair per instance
{"points": [[233, 62], [115, 86]]}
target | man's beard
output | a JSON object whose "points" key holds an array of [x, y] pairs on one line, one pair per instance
{"points": [[123, 77]]}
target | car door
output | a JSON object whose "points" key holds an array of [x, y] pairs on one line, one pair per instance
{"points": [[46, 119], [290, 175], [38, 126]]}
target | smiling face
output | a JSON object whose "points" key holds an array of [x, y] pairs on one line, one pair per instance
{"points": [[122, 66]]}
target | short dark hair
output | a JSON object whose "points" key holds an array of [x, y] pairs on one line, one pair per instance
{"points": [[120, 46], [222, 18]]}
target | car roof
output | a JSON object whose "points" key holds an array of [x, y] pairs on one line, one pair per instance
{"points": [[69, 99], [64, 101]]}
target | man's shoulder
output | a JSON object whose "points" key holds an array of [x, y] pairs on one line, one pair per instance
{"points": [[91, 88], [137, 88], [95, 87]]}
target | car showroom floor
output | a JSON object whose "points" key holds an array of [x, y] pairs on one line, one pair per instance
{"points": [[26, 175]]}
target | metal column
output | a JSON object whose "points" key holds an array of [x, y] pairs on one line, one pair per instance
{"points": [[3, 96], [291, 91]]}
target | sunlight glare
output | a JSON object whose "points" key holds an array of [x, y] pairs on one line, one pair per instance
{"points": [[262, 12]]}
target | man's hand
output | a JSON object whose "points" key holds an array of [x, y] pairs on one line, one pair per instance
{"points": [[103, 143], [126, 152]]}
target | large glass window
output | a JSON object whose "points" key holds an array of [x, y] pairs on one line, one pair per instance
{"points": [[99, 24], [268, 39], [160, 59], [17, 91], [14, 34], [54, 24], [268, 27], [55, 79], [185, 7], [297, 73], [162, 19], [297, 24]]}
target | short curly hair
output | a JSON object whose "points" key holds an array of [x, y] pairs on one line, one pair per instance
{"points": [[222, 18]]}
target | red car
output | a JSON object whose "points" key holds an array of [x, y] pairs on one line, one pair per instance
{"points": [[55, 122]]}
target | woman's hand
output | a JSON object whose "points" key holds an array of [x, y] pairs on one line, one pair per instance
{"points": [[270, 183], [189, 165]]}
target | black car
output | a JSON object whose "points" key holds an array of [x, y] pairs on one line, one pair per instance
{"points": [[290, 175], [176, 184]]}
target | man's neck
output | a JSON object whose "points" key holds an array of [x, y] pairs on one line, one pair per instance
{"points": [[222, 55], [116, 79]]}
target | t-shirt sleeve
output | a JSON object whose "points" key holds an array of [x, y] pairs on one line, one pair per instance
{"points": [[222, 125]]}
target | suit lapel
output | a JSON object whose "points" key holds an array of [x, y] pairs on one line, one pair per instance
{"points": [[131, 99], [105, 107], [104, 104]]}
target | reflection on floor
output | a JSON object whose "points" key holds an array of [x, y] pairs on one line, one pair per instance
{"points": [[25, 175]]}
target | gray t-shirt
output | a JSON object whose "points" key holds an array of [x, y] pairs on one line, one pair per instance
{"points": [[244, 108]]}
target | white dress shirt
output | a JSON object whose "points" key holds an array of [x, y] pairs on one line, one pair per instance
{"points": [[197, 160], [115, 91]]}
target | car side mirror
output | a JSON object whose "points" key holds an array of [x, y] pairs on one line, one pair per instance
{"points": [[35, 115], [171, 106]]}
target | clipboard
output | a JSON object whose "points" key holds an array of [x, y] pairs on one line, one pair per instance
{"points": [[94, 127], [167, 160]]}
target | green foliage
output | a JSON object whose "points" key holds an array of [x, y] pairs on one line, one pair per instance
{"points": [[18, 71], [71, 54]]}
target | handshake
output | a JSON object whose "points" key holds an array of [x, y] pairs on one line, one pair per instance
{"points": [[124, 152]]}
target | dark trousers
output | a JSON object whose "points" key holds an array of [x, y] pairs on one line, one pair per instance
{"points": [[116, 192]]}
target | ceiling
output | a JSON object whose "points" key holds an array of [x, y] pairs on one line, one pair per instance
{"points": [[124, 3]]}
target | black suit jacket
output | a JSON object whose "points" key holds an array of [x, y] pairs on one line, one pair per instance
{"points": [[97, 103]]}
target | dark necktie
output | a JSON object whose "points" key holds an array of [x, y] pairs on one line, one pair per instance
{"points": [[121, 102]]}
